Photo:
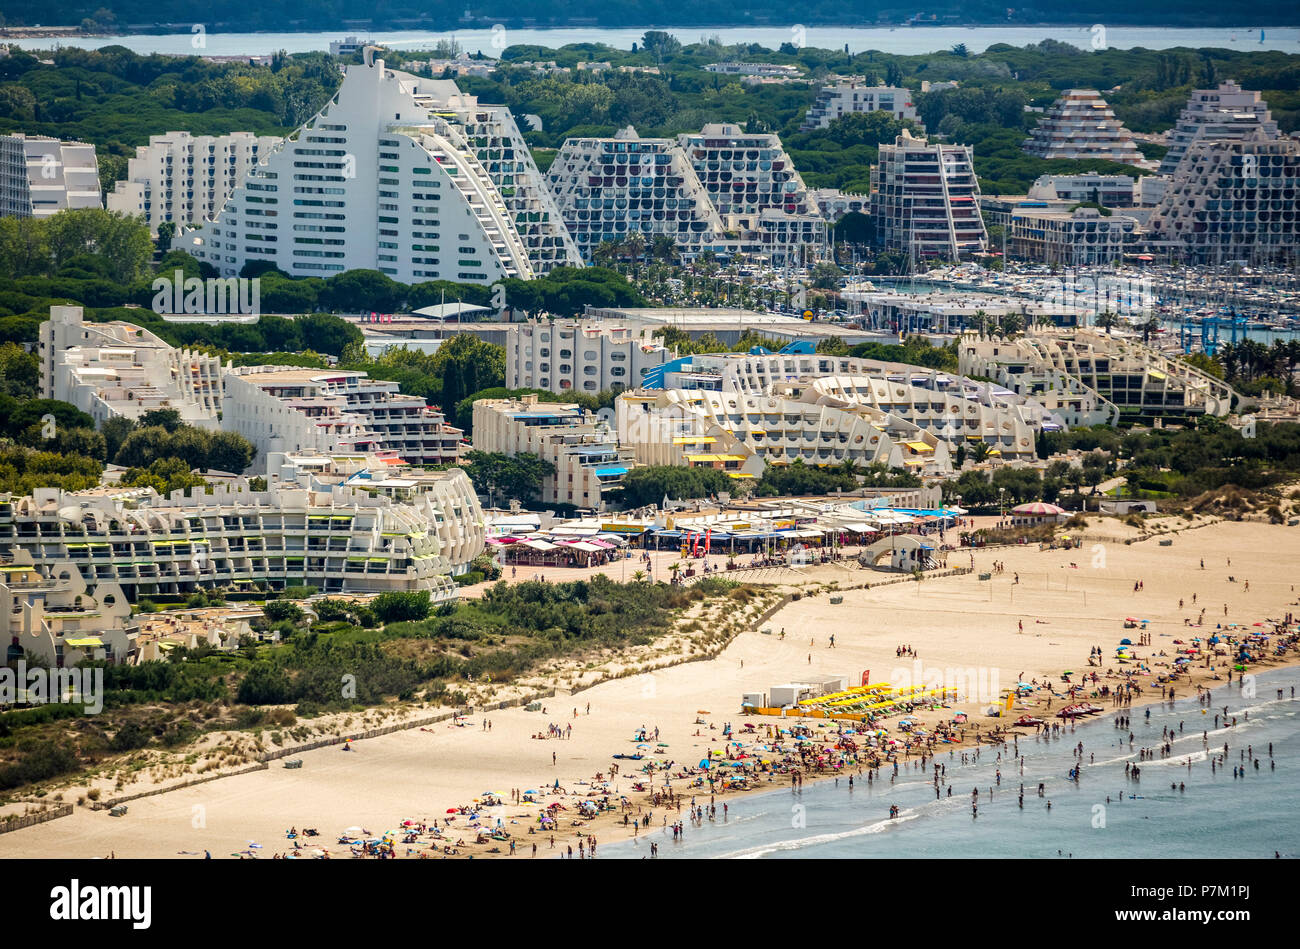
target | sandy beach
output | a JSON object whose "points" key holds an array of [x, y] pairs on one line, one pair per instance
{"points": [[1068, 600]]}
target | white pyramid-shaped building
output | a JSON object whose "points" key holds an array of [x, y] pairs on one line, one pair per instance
{"points": [[1081, 125], [385, 177]]}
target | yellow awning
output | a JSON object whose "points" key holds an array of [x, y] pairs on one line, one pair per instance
{"points": [[694, 440], [84, 641], [1156, 374], [919, 446], [738, 474], [694, 458], [731, 457]]}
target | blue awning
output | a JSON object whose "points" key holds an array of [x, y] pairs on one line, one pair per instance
{"points": [[606, 472]]}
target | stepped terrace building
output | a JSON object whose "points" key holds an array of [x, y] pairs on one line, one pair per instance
{"points": [[185, 178], [1232, 201], [40, 176], [343, 540], [283, 408], [1226, 114], [1122, 374], [55, 618], [741, 433], [589, 465], [119, 369], [609, 189], [1075, 238], [925, 199], [949, 407], [1081, 125], [376, 180]]}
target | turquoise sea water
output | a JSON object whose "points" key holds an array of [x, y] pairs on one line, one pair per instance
{"points": [[1216, 815]]}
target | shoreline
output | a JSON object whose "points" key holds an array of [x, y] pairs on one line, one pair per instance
{"points": [[950, 622]]}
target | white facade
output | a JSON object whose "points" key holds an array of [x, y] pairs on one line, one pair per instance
{"points": [[184, 178], [343, 540], [1228, 113], [849, 96], [376, 180], [833, 204], [1232, 200], [608, 189], [119, 369], [56, 618], [740, 433], [580, 356], [1081, 237], [589, 466], [926, 200], [1081, 125], [41, 176], [281, 409], [1120, 374], [1109, 190]]}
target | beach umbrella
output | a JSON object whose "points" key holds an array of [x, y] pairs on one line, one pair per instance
{"points": [[1126, 642]]}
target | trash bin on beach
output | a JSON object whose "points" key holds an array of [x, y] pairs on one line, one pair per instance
{"points": [[117, 811]]}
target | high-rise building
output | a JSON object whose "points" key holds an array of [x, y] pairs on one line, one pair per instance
{"points": [[609, 189], [1232, 201], [853, 95], [1081, 125], [491, 133], [1226, 114], [925, 199], [184, 178], [40, 176], [376, 180]]}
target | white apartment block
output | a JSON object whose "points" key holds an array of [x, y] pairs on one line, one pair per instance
{"points": [[740, 433], [343, 540], [580, 355], [833, 204], [120, 369], [184, 178], [849, 96], [491, 132], [1139, 382], [282, 409], [1232, 200], [608, 189], [589, 465], [56, 619], [41, 176], [952, 408], [1081, 125], [1228, 113], [1021, 365], [756, 189], [1073, 238], [376, 180], [1113, 191], [926, 200]]}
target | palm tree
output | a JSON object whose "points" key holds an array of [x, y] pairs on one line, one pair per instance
{"points": [[980, 451], [1107, 321], [639, 576], [1149, 328], [675, 567]]}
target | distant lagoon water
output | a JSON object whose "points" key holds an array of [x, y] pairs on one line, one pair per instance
{"points": [[1216, 815], [899, 40]]}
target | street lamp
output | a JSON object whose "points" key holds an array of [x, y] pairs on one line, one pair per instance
{"points": [[1002, 515]]}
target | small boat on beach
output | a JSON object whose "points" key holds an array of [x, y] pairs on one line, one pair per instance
{"points": [[1028, 721]]}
